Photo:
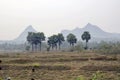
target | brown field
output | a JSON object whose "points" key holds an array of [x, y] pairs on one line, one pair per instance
{"points": [[59, 66]]}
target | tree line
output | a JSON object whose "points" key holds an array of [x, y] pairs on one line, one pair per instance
{"points": [[54, 41]]}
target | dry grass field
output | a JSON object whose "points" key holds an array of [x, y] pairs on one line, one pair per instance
{"points": [[59, 66]]}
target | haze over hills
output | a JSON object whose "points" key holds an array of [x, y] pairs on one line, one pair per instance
{"points": [[23, 35], [97, 34]]}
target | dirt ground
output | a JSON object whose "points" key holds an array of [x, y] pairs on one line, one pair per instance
{"points": [[59, 66]]}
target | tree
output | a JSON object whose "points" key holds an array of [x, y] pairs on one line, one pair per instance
{"points": [[55, 40], [35, 39], [52, 41], [49, 42], [71, 38], [41, 37], [86, 36], [60, 39], [30, 39]]}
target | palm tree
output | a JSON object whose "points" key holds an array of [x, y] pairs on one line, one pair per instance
{"points": [[86, 36], [35, 39], [60, 39], [71, 38], [49, 42], [52, 41], [41, 37], [30, 39]]}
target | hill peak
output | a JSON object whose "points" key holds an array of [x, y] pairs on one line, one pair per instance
{"points": [[90, 26], [23, 35], [30, 28], [96, 32]]}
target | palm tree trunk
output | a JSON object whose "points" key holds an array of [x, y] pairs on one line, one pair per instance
{"points": [[86, 45], [40, 46], [72, 44], [35, 47], [52, 46], [56, 46], [32, 48], [48, 48], [59, 46]]}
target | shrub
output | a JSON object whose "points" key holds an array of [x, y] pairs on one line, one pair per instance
{"points": [[27, 48], [1, 78], [78, 48], [109, 48], [97, 76], [81, 77], [36, 65]]}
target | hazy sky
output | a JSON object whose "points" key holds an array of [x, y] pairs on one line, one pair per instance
{"points": [[51, 16]]}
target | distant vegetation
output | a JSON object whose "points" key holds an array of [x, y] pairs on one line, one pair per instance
{"points": [[86, 36], [71, 38], [55, 40], [35, 39], [70, 59], [58, 42], [108, 48]]}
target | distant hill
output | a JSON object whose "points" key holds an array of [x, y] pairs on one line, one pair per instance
{"points": [[97, 34], [22, 37]]}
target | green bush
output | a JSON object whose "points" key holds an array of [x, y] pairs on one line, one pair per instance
{"points": [[97, 76], [80, 78], [1, 78], [36, 65]]}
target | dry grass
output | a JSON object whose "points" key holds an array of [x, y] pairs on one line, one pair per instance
{"points": [[59, 65]]}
